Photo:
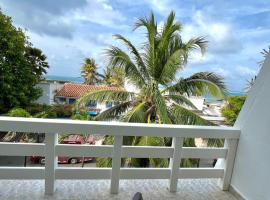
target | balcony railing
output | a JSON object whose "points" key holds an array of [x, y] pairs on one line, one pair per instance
{"points": [[51, 149]]}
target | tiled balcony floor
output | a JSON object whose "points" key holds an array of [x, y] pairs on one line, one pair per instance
{"points": [[202, 189]]}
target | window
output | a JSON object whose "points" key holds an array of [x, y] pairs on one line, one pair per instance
{"points": [[62, 99], [71, 101], [92, 104], [109, 104]]}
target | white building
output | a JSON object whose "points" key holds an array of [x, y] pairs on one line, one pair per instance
{"points": [[70, 92], [49, 89]]}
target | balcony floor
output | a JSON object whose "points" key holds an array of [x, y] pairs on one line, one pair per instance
{"points": [[200, 189]]}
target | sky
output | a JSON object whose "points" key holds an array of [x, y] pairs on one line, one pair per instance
{"points": [[68, 31]]}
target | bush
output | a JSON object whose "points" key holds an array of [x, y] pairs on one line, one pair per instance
{"points": [[46, 114], [81, 115], [231, 111], [34, 109], [62, 111], [18, 112], [55, 111]]}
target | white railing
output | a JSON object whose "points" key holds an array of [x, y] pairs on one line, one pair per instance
{"points": [[51, 149]]}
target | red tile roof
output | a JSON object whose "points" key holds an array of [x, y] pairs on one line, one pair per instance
{"points": [[77, 90]]}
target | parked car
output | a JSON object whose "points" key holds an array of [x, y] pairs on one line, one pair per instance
{"points": [[71, 139]]}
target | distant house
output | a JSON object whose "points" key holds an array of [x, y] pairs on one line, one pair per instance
{"points": [[70, 92], [49, 89]]}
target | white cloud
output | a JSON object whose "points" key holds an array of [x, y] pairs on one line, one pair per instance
{"points": [[221, 71], [245, 71], [163, 7], [99, 12], [220, 35], [62, 17]]}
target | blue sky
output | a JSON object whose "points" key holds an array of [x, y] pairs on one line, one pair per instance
{"points": [[69, 30]]}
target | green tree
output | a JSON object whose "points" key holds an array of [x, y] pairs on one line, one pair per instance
{"points": [[232, 109], [18, 136], [89, 72], [161, 97], [21, 67], [114, 76]]}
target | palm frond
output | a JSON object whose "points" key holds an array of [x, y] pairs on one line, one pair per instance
{"points": [[265, 53], [201, 83], [182, 115], [136, 114], [169, 70], [182, 100], [154, 141], [113, 112], [150, 47], [199, 43], [169, 29], [213, 142], [136, 55], [105, 95], [119, 58], [161, 108]]}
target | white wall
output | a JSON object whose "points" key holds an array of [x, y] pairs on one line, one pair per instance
{"points": [[54, 87], [45, 97], [251, 175], [48, 91]]}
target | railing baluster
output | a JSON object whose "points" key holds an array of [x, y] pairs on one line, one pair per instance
{"points": [[116, 164], [177, 144], [51, 139], [228, 163]]}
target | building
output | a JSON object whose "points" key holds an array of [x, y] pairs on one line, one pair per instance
{"points": [[49, 89], [70, 92], [242, 169]]}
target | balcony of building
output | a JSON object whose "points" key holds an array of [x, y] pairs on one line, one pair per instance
{"points": [[242, 169]]}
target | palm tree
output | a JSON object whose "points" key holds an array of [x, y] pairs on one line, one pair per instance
{"points": [[114, 76], [89, 72], [250, 83], [161, 97]]}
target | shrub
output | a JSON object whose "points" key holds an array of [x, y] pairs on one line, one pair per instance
{"points": [[46, 114], [34, 109], [232, 109], [62, 111], [81, 115], [18, 112]]}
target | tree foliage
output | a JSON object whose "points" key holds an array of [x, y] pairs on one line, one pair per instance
{"points": [[232, 109], [161, 97], [89, 72], [114, 76], [21, 67], [18, 112]]}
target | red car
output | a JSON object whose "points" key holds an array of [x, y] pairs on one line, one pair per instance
{"points": [[72, 139]]}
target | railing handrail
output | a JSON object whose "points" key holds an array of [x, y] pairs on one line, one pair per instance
{"points": [[38, 125]]}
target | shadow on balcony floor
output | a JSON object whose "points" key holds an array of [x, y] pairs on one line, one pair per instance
{"points": [[202, 189]]}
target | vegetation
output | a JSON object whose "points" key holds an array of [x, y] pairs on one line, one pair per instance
{"points": [[231, 111], [18, 136], [161, 97], [251, 82], [89, 72], [114, 76], [54, 111], [18, 112], [81, 115], [21, 67]]}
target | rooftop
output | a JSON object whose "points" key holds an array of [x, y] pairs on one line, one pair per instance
{"points": [[77, 90]]}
